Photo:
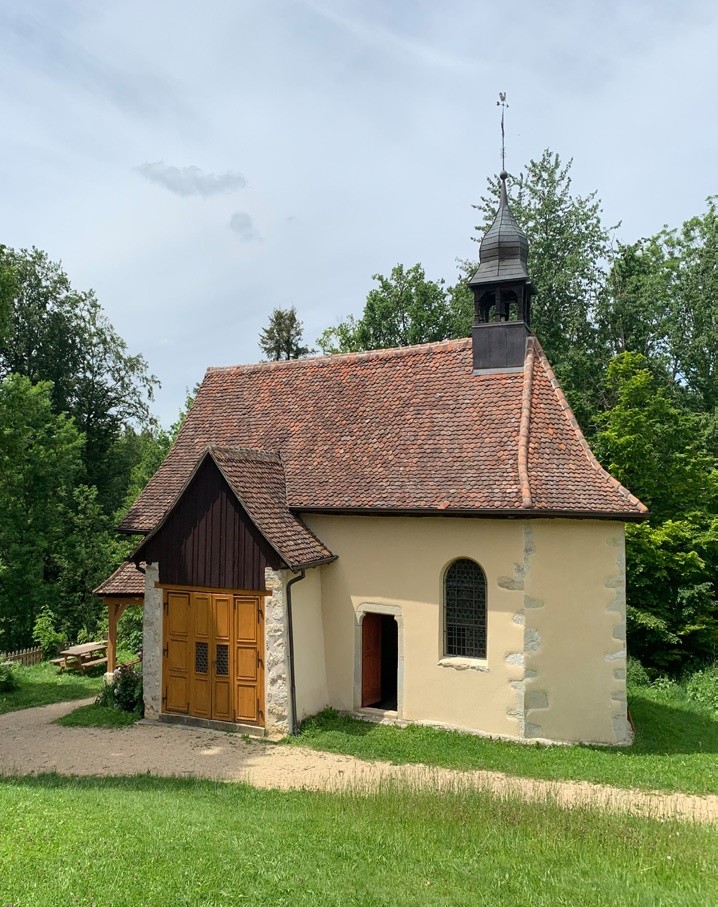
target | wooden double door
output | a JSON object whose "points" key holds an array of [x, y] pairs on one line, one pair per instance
{"points": [[213, 655]]}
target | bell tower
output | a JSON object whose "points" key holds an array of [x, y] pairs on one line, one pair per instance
{"points": [[502, 287]]}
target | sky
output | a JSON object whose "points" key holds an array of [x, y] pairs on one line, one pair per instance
{"points": [[198, 164]]}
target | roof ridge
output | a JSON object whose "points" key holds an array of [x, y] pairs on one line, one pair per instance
{"points": [[525, 426], [391, 353], [573, 422]]}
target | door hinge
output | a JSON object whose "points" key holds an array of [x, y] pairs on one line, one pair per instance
{"points": [[165, 606], [166, 651], [164, 696]]}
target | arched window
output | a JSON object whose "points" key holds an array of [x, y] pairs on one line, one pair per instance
{"points": [[465, 610]]}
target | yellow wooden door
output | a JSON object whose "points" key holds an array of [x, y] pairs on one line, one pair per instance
{"points": [[249, 659], [213, 665], [177, 635]]}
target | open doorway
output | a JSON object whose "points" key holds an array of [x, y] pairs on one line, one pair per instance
{"points": [[380, 661]]}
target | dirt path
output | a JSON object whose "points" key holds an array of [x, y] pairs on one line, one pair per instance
{"points": [[31, 743]]}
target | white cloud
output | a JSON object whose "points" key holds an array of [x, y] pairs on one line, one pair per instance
{"points": [[191, 180]]}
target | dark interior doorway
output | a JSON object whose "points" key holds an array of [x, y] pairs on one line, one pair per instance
{"points": [[380, 661]]}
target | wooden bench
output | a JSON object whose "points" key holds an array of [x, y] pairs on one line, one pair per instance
{"points": [[91, 663]]}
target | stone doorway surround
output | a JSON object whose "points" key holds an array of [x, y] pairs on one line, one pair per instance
{"points": [[395, 612]]}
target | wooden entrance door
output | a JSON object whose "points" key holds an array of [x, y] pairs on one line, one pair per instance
{"points": [[213, 656], [371, 659]]}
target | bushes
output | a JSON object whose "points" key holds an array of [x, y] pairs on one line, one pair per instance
{"points": [[125, 691], [8, 679], [702, 687], [697, 686]]}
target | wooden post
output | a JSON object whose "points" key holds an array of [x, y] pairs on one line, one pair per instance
{"points": [[115, 611]]}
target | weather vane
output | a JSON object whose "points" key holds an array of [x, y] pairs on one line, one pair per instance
{"points": [[503, 105]]}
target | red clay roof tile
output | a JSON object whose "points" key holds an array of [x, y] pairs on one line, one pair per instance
{"points": [[126, 581], [404, 430]]}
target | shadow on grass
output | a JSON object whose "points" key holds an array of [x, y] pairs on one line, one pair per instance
{"points": [[140, 782], [670, 728]]}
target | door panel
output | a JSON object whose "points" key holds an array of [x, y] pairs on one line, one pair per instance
{"points": [[176, 652], [222, 670], [371, 659], [249, 648], [200, 686]]}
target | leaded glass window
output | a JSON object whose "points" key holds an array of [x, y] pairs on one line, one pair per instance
{"points": [[465, 610]]}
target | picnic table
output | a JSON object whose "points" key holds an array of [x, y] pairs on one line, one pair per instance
{"points": [[81, 657]]}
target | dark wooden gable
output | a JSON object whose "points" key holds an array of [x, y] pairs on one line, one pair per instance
{"points": [[208, 540]]}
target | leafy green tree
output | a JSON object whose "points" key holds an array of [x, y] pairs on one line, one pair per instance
{"points": [[405, 308], [672, 607], [40, 460], [7, 292], [663, 453], [61, 335], [658, 450], [87, 553], [282, 338], [662, 301], [692, 260]]}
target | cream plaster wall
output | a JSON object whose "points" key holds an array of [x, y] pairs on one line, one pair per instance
{"points": [[309, 662], [576, 631], [152, 643], [555, 665], [399, 563]]}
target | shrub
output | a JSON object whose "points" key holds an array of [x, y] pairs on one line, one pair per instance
{"points": [[46, 635], [8, 679], [125, 691], [702, 686], [636, 674]]}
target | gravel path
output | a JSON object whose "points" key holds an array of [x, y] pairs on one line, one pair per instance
{"points": [[31, 743]]}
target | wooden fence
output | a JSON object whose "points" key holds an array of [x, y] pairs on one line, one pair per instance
{"points": [[23, 656]]}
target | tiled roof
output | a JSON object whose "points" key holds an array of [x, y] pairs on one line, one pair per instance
{"points": [[404, 430], [127, 581], [257, 479]]}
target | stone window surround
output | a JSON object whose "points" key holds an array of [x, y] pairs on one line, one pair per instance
{"points": [[372, 607]]}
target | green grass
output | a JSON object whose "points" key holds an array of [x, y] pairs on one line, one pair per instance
{"points": [[676, 747], [95, 715], [113, 842], [42, 684]]}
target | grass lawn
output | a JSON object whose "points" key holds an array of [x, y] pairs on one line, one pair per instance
{"points": [[676, 747], [95, 715], [147, 841], [43, 684]]}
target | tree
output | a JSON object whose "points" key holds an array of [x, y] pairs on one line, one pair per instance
{"points": [[40, 460], [662, 452], [60, 335], [405, 308], [662, 301], [282, 338], [7, 292]]}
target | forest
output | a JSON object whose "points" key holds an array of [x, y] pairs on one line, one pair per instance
{"points": [[630, 328]]}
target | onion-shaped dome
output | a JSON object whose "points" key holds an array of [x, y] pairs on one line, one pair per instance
{"points": [[504, 250]]}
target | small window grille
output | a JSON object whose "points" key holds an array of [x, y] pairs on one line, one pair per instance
{"points": [[465, 610], [200, 657], [222, 660]]}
